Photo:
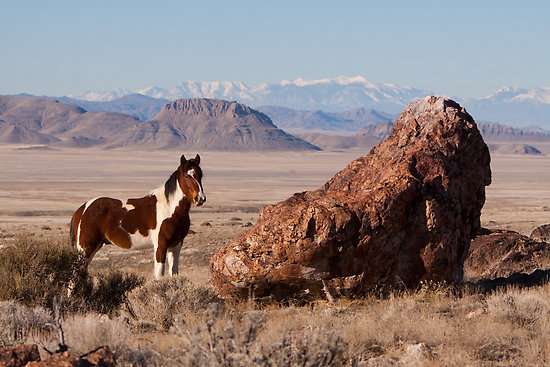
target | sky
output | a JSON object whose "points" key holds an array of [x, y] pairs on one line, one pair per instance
{"points": [[461, 48]]}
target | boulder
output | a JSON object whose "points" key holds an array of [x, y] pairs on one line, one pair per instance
{"points": [[19, 355], [541, 233], [101, 357], [402, 214], [501, 254]]}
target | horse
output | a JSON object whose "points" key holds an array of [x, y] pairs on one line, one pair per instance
{"points": [[159, 219]]}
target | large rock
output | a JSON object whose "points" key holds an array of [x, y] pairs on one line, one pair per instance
{"points": [[19, 355], [501, 254], [100, 357], [404, 213], [541, 233]]}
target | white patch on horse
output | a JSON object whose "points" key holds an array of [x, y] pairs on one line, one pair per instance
{"points": [[192, 174], [159, 270], [139, 241], [88, 203]]}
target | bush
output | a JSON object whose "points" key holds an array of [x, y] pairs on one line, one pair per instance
{"points": [[17, 322], [35, 273], [159, 301], [236, 342]]}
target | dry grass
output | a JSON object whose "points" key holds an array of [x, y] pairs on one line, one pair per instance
{"points": [[509, 327], [178, 323]]}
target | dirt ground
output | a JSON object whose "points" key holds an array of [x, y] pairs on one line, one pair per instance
{"points": [[39, 189]]}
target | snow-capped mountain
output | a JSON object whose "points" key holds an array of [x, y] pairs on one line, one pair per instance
{"points": [[331, 94], [519, 107], [514, 106]]}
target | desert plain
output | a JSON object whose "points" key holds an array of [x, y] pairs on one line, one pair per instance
{"points": [[41, 187]]}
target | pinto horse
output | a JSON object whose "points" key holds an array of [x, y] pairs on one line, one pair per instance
{"points": [[160, 219]]}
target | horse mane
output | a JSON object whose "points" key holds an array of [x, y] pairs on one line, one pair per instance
{"points": [[170, 185]]}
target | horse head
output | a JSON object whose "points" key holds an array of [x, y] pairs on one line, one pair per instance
{"points": [[190, 179]]}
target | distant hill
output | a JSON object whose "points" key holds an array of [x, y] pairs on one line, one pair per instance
{"points": [[321, 121], [493, 131], [516, 149], [193, 123], [42, 120], [139, 106], [501, 138]]}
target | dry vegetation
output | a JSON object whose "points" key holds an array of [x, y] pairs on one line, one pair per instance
{"points": [[175, 322]]}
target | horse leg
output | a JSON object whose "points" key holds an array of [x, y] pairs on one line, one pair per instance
{"points": [[159, 257], [83, 260], [172, 258]]}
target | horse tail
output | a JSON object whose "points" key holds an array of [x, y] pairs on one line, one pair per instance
{"points": [[73, 226], [72, 237]]}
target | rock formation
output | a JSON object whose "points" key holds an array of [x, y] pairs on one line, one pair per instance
{"points": [[495, 254], [404, 213], [19, 355], [541, 233], [29, 356]]}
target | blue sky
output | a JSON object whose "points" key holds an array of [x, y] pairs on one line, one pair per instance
{"points": [[455, 48]]}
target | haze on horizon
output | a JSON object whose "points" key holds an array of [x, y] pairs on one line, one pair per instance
{"points": [[464, 49]]}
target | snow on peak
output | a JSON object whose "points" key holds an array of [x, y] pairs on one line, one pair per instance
{"points": [[339, 80], [515, 94]]}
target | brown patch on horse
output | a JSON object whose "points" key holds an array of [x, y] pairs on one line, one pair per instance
{"points": [[106, 220], [143, 217], [75, 221], [96, 222], [174, 229]]}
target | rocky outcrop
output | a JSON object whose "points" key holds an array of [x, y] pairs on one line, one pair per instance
{"points": [[28, 355], [541, 233], [404, 213], [499, 253], [19, 355]]}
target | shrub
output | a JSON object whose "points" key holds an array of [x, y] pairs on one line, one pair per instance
{"points": [[105, 293], [17, 322], [159, 301], [34, 272], [236, 342]]}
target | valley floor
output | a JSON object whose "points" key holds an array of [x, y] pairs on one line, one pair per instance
{"points": [[39, 189]]}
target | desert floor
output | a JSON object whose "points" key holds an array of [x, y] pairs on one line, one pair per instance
{"points": [[39, 189]]}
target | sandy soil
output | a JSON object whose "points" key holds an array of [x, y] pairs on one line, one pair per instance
{"points": [[39, 189]]}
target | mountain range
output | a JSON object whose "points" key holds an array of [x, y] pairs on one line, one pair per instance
{"points": [[518, 107], [191, 123]]}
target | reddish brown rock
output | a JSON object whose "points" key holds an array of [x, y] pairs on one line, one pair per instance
{"points": [[541, 233], [404, 213], [19, 355], [500, 254], [100, 357]]}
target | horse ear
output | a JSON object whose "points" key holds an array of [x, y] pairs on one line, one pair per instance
{"points": [[198, 159], [183, 160]]}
